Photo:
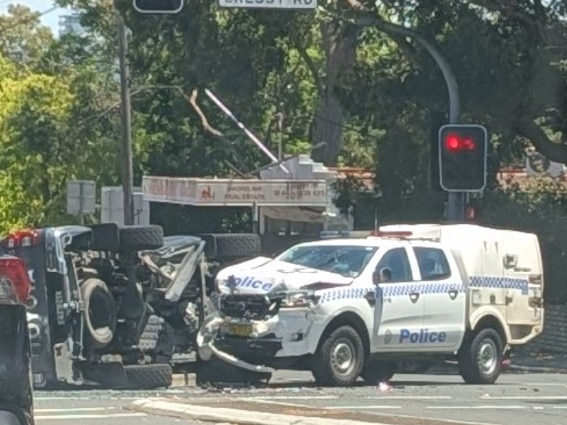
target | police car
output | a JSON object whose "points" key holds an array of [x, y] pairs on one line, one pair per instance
{"points": [[350, 307]]}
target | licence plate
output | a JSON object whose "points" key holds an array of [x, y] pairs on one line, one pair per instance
{"points": [[240, 329]]}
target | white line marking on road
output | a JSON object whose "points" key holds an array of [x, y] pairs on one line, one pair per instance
{"points": [[410, 397], [279, 403], [481, 407], [75, 409], [109, 397], [371, 407], [523, 397], [296, 397], [109, 416], [545, 384]]}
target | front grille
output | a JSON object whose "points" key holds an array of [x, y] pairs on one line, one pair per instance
{"points": [[259, 351], [254, 307]]}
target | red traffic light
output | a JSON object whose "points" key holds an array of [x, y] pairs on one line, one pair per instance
{"points": [[454, 142]]}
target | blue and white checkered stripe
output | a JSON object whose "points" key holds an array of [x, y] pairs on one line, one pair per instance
{"points": [[335, 294], [388, 290], [500, 283], [404, 289]]}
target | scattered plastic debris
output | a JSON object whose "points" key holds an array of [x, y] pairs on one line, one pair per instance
{"points": [[385, 387]]}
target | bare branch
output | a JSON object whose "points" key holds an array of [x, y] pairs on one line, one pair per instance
{"points": [[554, 151], [192, 100], [509, 9]]}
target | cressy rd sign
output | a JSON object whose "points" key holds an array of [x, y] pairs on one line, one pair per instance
{"points": [[269, 4]]}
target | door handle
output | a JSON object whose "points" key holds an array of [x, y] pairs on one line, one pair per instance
{"points": [[414, 296], [453, 294]]}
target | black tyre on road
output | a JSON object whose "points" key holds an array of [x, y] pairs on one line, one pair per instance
{"points": [[480, 359], [375, 371], [339, 359], [140, 238], [149, 376]]}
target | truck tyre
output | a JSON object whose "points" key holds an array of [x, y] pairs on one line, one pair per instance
{"points": [[375, 371], [226, 245], [140, 238], [340, 358], [480, 361], [148, 376], [99, 314]]}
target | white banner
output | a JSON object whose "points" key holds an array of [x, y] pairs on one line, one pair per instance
{"points": [[219, 192]]}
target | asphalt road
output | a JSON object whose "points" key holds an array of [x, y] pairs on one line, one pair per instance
{"points": [[518, 399], [95, 407]]}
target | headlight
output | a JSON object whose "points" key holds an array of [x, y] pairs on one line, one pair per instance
{"points": [[300, 300], [220, 286]]}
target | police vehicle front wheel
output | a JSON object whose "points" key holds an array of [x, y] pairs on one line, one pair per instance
{"points": [[339, 359], [480, 361]]}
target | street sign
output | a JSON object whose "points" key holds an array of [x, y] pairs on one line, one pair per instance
{"points": [[269, 4], [81, 197]]}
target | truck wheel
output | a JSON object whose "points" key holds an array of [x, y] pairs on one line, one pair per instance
{"points": [[375, 372], [140, 238], [231, 245], [480, 361], [100, 313], [339, 359], [148, 376]]}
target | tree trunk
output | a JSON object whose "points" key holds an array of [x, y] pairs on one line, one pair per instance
{"points": [[339, 45]]}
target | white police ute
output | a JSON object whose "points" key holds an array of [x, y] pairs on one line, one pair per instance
{"points": [[350, 307]]}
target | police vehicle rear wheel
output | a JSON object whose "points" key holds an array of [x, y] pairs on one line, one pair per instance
{"points": [[340, 358], [480, 361]]}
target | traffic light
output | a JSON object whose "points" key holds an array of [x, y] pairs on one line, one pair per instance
{"points": [[462, 157], [158, 6]]}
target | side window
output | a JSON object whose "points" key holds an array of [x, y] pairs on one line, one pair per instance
{"points": [[433, 264], [397, 261]]}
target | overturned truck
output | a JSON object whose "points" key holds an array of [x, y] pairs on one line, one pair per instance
{"points": [[114, 306]]}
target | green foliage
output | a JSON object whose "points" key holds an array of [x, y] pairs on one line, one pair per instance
{"points": [[539, 206], [374, 98]]}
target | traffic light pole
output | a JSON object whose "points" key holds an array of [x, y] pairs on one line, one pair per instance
{"points": [[456, 200]]}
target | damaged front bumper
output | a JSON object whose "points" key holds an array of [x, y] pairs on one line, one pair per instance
{"points": [[255, 345], [206, 348]]}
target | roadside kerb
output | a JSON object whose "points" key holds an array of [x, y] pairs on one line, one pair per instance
{"points": [[196, 410]]}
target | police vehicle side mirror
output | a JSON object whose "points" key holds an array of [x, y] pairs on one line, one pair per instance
{"points": [[382, 275]]}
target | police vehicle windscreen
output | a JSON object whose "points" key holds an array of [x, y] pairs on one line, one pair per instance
{"points": [[347, 261]]}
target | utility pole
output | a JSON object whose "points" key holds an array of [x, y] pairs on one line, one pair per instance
{"points": [[126, 124]]}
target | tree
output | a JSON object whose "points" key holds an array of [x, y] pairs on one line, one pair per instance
{"points": [[23, 39]]}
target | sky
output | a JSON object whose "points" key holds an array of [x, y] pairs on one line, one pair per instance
{"points": [[50, 19]]}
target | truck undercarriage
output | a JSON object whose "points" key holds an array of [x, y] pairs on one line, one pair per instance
{"points": [[114, 306]]}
